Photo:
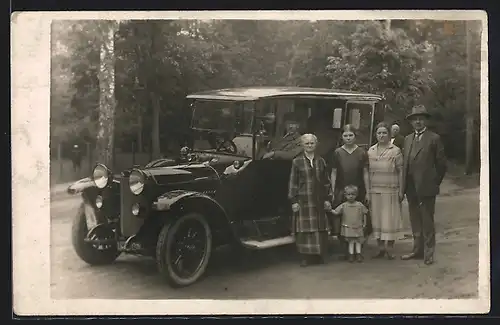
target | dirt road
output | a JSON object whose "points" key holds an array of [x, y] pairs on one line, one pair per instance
{"points": [[276, 273]]}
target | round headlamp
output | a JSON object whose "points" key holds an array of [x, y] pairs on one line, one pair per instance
{"points": [[136, 182], [100, 176]]}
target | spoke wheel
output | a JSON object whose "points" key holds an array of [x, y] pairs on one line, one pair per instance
{"points": [[93, 254], [183, 249]]}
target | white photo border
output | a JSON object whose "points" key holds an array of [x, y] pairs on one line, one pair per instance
{"points": [[30, 64]]}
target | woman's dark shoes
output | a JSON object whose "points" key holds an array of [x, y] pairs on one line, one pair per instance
{"points": [[412, 256], [351, 258], [312, 260], [389, 256], [380, 254], [429, 260], [344, 257], [359, 258]]}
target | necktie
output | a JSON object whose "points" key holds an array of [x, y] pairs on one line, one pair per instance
{"points": [[418, 135]]}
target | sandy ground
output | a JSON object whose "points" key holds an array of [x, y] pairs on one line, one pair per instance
{"points": [[276, 273]]}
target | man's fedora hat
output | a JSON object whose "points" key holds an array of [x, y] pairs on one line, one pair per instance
{"points": [[418, 110]]}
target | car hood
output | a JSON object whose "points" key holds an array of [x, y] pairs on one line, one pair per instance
{"points": [[181, 173]]}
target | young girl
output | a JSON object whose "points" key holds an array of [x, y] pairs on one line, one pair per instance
{"points": [[353, 215]]}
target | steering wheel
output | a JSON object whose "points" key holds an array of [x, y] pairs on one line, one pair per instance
{"points": [[225, 145]]}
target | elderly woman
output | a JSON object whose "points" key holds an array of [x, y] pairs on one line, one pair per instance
{"points": [[386, 177], [308, 192], [348, 165]]}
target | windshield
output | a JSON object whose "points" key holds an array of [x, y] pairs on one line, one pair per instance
{"points": [[216, 122]]}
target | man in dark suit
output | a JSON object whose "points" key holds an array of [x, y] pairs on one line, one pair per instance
{"points": [[424, 170], [289, 146], [397, 139]]}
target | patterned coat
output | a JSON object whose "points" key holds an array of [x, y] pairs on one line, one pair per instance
{"points": [[309, 187]]}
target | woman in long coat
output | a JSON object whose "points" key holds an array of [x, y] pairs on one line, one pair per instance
{"points": [[309, 194]]}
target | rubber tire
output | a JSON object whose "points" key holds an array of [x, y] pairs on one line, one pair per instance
{"points": [[86, 251], [164, 243]]}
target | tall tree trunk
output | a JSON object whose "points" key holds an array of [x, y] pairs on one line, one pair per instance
{"points": [[154, 99], [290, 79], [155, 131], [139, 132], [107, 101]]}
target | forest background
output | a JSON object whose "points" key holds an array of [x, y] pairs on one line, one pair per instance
{"points": [[137, 73]]}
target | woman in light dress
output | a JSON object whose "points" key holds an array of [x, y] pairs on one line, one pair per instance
{"points": [[385, 179]]}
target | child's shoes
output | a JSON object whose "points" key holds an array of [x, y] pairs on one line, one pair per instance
{"points": [[351, 258]]}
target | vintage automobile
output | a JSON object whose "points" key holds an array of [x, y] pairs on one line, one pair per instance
{"points": [[219, 190]]}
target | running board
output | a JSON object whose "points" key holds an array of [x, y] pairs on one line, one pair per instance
{"points": [[256, 244]]}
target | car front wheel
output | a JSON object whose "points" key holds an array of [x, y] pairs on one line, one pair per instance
{"points": [[183, 249], [93, 254]]}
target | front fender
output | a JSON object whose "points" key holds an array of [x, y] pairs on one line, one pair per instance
{"points": [[183, 200], [80, 186], [91, 215], [88, 191], [167, 200]]}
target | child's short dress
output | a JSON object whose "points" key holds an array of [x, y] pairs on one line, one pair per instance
{"points": [[352, 220]]}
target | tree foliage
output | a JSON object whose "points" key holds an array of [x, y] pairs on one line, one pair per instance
{"points": [[376, 59], [157, 63]]}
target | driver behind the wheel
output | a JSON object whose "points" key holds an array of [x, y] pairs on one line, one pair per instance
{"points": [[289, 146]]}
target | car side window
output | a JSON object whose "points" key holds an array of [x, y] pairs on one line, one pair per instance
{"points": [[265, 108], [243, 116], [360, 115]]}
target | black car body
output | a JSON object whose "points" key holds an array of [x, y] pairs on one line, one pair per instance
{"points": [[219, 190]]}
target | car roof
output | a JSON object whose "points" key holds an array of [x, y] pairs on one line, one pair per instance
{"points": [[254, 93]]}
